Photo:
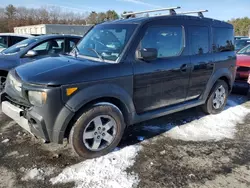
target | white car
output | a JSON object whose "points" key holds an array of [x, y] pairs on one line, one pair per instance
{"points": [[9, 39]]}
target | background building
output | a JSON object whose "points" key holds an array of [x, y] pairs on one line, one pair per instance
{"points": [[53, 29]]}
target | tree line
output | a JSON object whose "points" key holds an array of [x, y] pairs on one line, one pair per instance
{"points": [[11, 16], [241, 26]]}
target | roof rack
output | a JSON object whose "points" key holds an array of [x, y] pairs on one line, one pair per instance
{"points": [[200, 12], [132, 14]]}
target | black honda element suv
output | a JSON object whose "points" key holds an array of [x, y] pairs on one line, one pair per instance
{"points": [[123, 72]]}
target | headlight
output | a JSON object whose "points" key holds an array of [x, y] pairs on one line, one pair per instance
{"points": [[15, 83], [37, 97]]}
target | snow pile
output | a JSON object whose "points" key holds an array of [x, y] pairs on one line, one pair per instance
{"points": [[212, 127], [108, 171], [37, 174]]}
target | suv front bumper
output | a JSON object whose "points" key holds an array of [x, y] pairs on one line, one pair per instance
{"points": [[31, 122], [15, 113], [48, 122]]}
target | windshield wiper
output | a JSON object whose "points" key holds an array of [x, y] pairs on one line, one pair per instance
{"points": [[98, 55]]}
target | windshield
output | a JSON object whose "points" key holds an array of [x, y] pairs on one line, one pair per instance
{"points": [[245, 50], [19, 46], [239, 44], [106, 42]]}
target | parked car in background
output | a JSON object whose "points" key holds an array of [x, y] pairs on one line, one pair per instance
{"points": [[121, 73], [241, 43], [32, 49], [243, 70], [240, 37], [9, 39]]}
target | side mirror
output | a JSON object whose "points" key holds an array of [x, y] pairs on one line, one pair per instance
{"points": [[147, 54], [30, 53]]}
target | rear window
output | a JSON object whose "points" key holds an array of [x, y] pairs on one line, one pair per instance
{"points": [[15, 39], [223, 39]]}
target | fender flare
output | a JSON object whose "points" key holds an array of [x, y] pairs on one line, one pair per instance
{"points": [[224, 72], [87, 95]]}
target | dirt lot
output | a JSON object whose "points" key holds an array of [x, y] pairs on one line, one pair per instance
{"points": [[186, 149]]}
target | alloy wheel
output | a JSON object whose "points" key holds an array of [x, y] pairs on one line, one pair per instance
{"points": [[99, 133]]}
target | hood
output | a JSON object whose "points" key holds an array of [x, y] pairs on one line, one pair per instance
{"points": [[243, 60], [60, 71]]}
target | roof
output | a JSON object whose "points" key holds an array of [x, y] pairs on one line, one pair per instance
{"points": [[142, 20], [15, 34]]}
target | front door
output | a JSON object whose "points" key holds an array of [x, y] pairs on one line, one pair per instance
{"points": [[164, 81], [48, 48]]}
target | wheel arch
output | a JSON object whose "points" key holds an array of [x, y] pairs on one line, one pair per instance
{"points": [[88, 97], [222, 74], [4, 72]]}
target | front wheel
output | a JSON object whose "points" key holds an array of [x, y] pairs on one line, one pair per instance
{"points": [[217, 98], [97, 131]]}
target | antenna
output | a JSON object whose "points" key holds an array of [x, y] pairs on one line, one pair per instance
{"points": [[132, 14], [200, 12]]}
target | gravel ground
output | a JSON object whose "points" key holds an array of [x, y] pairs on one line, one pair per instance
{"points": [[160, 162]]}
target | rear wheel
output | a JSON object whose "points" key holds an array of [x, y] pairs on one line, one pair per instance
{"points": [[217, 98], [97, 131]]}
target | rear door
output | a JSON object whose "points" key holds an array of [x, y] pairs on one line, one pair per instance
{"points": [[201, 59], [164, 81]]}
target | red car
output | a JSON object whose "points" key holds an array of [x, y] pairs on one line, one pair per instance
{"points": [[243, 69]]}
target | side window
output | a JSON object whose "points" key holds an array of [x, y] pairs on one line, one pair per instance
{"points": [[168, 40], [14, 39], [199, 37], [72, 43], [3, 42], [42, 46], [223, 39], [50, 47]]}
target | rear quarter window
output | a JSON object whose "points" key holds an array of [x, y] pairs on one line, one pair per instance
{"points": [[223, 40]]}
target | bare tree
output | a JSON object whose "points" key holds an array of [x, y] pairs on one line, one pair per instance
{"points": [[12, 16]]}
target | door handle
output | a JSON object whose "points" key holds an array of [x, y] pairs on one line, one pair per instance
{"points": [[184, 68]]}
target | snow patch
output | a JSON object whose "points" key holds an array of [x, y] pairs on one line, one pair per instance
{"points": [[6, 140], [212, 127], [108, 171], [11, 154], [37, 174]]}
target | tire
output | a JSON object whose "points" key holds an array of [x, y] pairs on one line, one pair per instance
{"points": [[87, 125], [209, 107]]}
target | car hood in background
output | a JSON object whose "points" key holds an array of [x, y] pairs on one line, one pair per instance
{"points": [[243, 60]]}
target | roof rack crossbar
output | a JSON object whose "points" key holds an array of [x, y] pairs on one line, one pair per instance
{"points": [[200, 12], [171, 10]]}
